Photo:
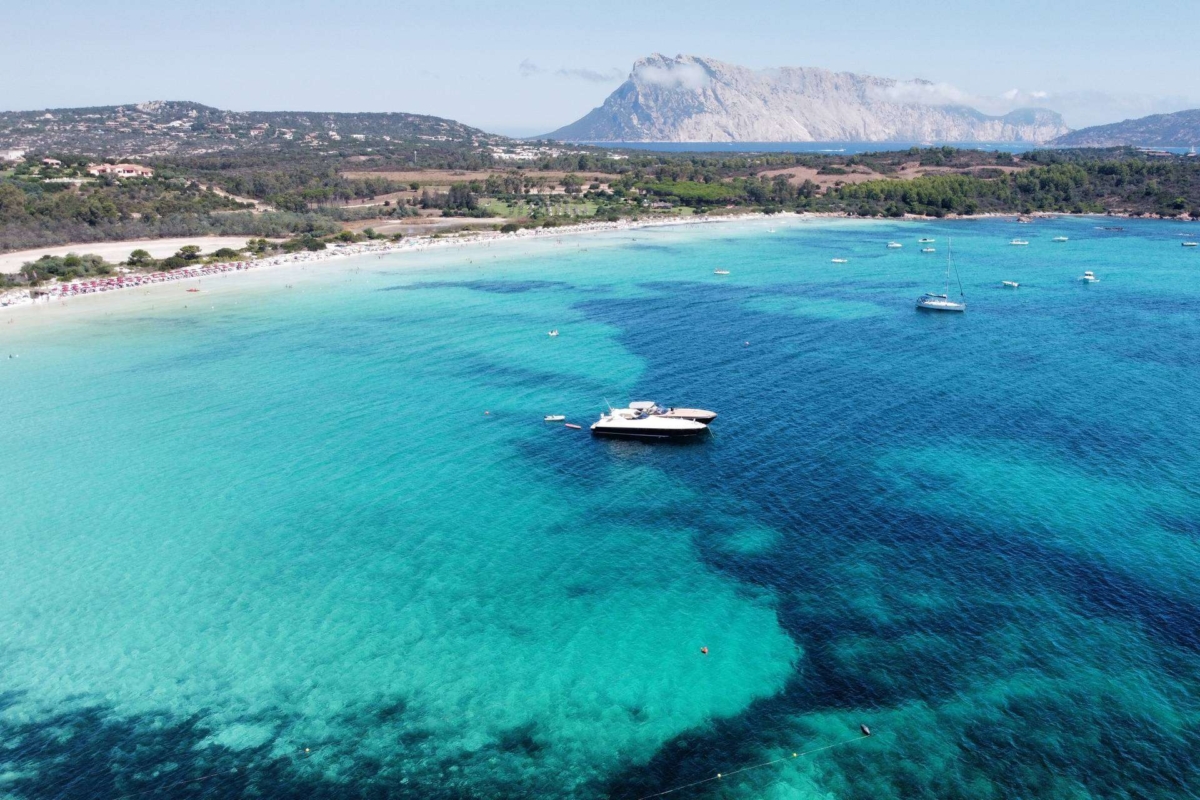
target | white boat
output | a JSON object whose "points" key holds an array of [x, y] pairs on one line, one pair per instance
{"points": [[1190, 244], [840, 260], [1010, 284], [720, 272], [553, 418], [928, 250], [894, 245], [553, 332], [1089, 277], [694, 414], [926, 240], [633, 424], [942, 302], [1018, 242], [1059, 239]]}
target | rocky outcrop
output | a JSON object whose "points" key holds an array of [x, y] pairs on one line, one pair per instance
{"points": [[692, 99]]}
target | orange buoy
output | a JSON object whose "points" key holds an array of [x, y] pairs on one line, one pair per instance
{"points": [[704, 650]]}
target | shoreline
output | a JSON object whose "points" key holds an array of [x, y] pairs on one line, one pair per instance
{"points": [[79, 288], [13, 299]]}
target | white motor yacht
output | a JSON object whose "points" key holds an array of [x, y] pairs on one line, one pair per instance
{"points": [[840, 260], [942, 302], [1089, 277], [1059, 239], [1009, 284], [720, 272], [1190, 244], [633, 424], [894, 245], [1018, 242], [926, 240], [928, 250]]}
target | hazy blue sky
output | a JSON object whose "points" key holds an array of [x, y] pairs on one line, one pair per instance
{"points": [[527, 67]]}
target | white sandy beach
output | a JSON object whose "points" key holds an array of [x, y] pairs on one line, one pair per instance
{"points": [[119, 251], [90, 290]]}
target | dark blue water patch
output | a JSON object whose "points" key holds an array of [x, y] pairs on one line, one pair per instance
{"points": [[93, 754], [491, 287], [802, 412]]}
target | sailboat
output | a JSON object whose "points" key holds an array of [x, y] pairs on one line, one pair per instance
{"points": [[942, 302]]}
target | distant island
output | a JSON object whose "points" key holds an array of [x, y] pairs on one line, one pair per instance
{"points": [[1181, 129], [167, 128], [694, 99]]}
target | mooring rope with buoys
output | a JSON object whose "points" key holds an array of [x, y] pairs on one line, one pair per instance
{"points": [[722, 775]]}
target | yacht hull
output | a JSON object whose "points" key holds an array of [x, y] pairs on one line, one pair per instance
{"points": [[615, 432], [953, 308]]}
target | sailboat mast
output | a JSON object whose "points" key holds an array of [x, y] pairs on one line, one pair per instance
{"points": [[949, 249]]}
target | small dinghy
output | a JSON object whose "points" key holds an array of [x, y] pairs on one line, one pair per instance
{"points": [[1018, 243], [1191, 244], [840, 260], [894, 245], [1059, 239], [554, 418], [928, 250], [573, 426], [720, 272]]}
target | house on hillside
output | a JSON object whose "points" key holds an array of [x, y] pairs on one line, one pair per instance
{"points": [[51, 162], [12, 155], [121, 170]]}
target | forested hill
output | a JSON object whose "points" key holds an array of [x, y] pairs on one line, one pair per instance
{"points": [[163, 128], [1181, 129]]}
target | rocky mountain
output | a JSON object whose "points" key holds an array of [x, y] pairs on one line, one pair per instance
{"points": [[692, 99], [169, 128], [1181, 129]]}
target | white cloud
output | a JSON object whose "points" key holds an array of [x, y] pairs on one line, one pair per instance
{"points": [[528, 69], [676, 76]]}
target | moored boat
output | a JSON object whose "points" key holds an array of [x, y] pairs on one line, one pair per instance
{"points": [[1059, 239], [894, 245], [1018, 242], [942, 302], [628, 423], [1010, 284], [1089, 277]]}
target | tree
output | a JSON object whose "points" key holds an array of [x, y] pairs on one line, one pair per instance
{"points": [[462, 197], [140, 258], [571, 183], [189, 252]]}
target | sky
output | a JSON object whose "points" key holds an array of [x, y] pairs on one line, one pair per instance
{"points": [[523, 67]]}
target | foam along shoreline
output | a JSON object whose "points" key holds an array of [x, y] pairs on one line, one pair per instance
{"points": [[88, 287]]}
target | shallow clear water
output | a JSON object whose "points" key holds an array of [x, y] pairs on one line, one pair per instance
{"points": [[272, 544]]}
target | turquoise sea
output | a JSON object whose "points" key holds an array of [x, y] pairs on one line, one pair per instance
{"points": [[318, 543]]}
